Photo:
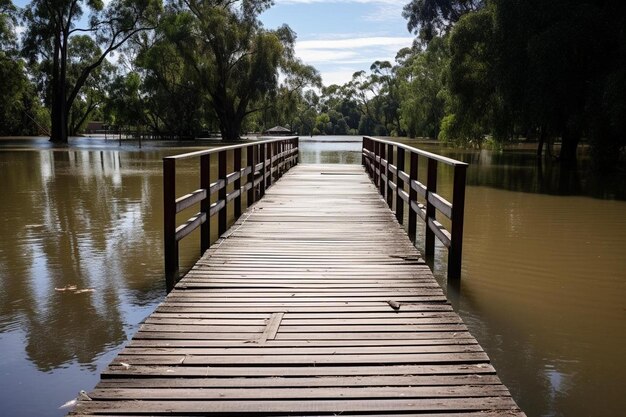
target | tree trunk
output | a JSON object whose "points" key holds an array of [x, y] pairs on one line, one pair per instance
{"points": [[230, 122], [59, 81], [569, 146], [230, 130], [542, 140]]}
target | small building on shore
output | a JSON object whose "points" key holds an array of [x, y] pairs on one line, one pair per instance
{"points": [[278, 131], [94, 126]]}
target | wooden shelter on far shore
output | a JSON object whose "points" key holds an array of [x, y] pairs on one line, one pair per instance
{"points": [[278, 131]]}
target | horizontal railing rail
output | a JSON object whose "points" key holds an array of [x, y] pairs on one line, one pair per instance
{"points": [[378, 160], [265, 162]]}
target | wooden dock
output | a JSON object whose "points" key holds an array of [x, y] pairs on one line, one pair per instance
{"points": [[314, 302]]}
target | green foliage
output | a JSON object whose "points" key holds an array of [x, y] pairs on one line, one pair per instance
{"points": [[8, 19], [168, 78], [434, 18], [125, 102], [534, 68], [20, 108], [423, 88], [471, 80], [236, 61], [53, 36]]}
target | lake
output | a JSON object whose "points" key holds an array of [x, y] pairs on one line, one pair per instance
{"points": [[543, 279]]}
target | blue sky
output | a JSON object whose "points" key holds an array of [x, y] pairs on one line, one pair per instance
{"points": [[340, 37]]}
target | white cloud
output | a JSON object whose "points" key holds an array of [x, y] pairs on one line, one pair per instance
{"points": [[385, 10], [391, 2], [385, 13], [338, 59], [316, 56], [385, 42], [338, 76]]}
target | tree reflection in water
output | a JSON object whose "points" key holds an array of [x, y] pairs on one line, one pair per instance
{"points": [[84, 219]]}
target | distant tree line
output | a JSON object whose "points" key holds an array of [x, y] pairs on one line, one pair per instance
{"points": [[479, 71], [494, 71]]}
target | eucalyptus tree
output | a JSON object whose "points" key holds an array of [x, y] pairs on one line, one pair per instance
{"points": [[8, 19], [283, 105], [173, 98], [423, 88], [125, 102], [307, 109], [289, 100], [20, 109], [431, 18], [51, 24], [388, 100], [546, 68], [474, 106], [93, 94], [560, 66], [236, 60]]}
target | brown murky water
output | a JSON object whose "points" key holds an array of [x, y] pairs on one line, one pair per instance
{"points": [[543, 287]]}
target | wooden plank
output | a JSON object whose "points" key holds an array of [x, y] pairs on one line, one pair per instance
{"points": [[116, 370], [272, 327], [308, 394], [263, 349], [190, 199], [319, 381], [189, 226], [290, 406], [306, 360]]}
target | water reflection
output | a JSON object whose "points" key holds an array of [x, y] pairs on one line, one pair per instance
{"points": [[75, 219], [522, 171]]}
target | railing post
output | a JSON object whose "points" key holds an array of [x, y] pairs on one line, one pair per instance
{"points": [[362, 151], [250, 161], [400, 186], [169, 223], [412, 230], [271, 156], [377, 165], [431, 187], [367, 161], [389, 192], [222, 171], [237, 168], [382, 185], [298, 148], [283, 159], [205, 183], [278, 159], [458, 208], [262, 149], [370, 147]]}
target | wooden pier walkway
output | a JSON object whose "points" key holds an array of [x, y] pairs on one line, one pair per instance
{"points": [[314, 302]]}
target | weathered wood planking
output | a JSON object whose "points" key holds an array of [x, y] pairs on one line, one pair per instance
{"points": [[313, 303]]}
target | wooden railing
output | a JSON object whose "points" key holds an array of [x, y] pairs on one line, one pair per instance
{"points": [[265, 162], [378, 159]]}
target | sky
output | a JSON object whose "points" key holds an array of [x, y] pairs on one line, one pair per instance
{"points": [[341, 37]]}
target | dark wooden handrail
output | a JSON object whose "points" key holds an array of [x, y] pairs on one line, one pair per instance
{"points": [[378, 158], [266, 161]]}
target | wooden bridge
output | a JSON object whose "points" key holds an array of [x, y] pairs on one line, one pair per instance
{"points": [[314, 302]]}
